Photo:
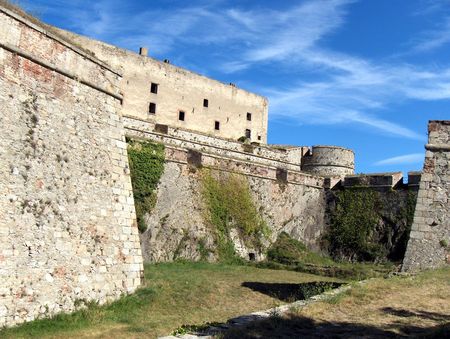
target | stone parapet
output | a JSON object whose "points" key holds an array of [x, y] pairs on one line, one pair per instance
{"points": [[375, 180], [258, 154]]}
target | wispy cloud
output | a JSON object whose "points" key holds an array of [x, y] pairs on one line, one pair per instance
{"points": [[407, 159], [346, 89], [434, 39]]}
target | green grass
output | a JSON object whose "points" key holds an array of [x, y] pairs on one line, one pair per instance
{"points": [[175, 294]]}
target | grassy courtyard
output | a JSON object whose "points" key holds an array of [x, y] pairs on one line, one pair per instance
{"points": [[174, 294], [185, 293]]}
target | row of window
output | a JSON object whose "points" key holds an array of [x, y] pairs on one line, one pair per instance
{"points": [[182, 115], [152, 110], [152, 106]]}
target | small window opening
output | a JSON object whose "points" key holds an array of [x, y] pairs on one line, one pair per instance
{"points": [[249, 116], [252, 256], [154, 88], [217, 125], [181, 115], [248, 134], [152, 108], [205, 103], [259, 137]]}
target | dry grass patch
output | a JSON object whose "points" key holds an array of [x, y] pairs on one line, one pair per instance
{"points": [[416, 306]]}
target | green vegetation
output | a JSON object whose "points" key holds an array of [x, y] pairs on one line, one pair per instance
{"points": [[352, 224], [290, 254], [174, 294], [146, 166], [286, 250], [230, 205]]}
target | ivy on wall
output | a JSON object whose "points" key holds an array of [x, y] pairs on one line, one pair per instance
{"points": [[369, 225], [352, 224], [146, 161], [230, 205]]}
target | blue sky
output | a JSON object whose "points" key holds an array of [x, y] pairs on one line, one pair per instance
{"points": [[365, 74]]}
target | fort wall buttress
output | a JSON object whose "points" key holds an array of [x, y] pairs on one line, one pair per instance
{"points": [[428, 246], [67, 221], [163, 93]]}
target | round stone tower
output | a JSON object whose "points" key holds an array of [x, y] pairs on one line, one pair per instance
{"points": [[329, 161]]}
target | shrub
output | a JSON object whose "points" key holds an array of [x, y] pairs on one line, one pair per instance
{"points": [[289, 251]]}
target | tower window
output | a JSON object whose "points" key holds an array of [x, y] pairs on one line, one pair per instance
{"points": [[181, 115], [248, 134], [217, 125], [259, 137], [154, 88], [205, 103], [249, 116], [152, 108]]}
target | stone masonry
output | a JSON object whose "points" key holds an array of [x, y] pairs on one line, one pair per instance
{"points": [[68, 233], [428, 246], [67, 219]]}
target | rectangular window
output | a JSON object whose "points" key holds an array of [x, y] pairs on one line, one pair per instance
{"points": [[217, 125], [154, 88], [248, 134], [181, 115], [205, 103], [249, 116], [259, 137], [152, 108]]}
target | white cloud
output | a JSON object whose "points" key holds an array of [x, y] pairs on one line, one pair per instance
{"points": [[351, 89], [414, 158]]}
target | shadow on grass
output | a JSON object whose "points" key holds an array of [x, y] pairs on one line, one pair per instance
{"points": [[303, 327], [291, 292], [419, 314]]}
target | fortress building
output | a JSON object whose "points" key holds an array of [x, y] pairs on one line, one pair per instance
{"points": [[68, 230], [162, 93]]}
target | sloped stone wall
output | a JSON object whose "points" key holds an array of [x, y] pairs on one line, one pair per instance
{"points": [[428, 246], [177, 227], [67, 222]]}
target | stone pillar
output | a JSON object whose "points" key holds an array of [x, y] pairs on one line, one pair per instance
{"points": [[428, 246]]}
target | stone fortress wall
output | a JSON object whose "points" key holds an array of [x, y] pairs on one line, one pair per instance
{"points": [[67, 221], [178, 90], [70, 229], [428, 246]]}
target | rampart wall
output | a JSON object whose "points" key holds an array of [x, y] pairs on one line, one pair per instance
{"points": [[67, 221], [293, 202], [428, 246]]}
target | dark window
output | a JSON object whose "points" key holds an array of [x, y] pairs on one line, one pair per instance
{"points": [[152, 108], [248, 134], [259, 137], [181, 115], [205, 103], [154, 88], [217, 125], [249, 116]]}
